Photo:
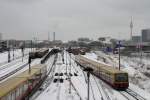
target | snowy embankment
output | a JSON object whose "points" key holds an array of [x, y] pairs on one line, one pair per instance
{"points": [[137, 72], [17, 53], [137, 78]]}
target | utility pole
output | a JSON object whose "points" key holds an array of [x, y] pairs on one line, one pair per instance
{"points": [[66, 62], [119, 54], [88, 70], [22, 53], [29, 62], [8, 55], [13, 53], [13, 48], [70, 75], [63, 56], [141, 50], [8, 51], [31, 45], [22, 49]]}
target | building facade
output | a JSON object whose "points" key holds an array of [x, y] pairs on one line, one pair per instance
{"points": [[146, 35], [136, 39]]}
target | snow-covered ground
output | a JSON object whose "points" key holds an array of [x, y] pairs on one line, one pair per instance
{"points": [[17, 53]]}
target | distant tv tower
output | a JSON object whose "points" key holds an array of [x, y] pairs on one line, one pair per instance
{"points": [[53, 36], [131, 28]]}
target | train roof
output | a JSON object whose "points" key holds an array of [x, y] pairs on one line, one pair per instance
{"points": [[39, 66], [103, 66], [109, 68], [43, 49], [10, 84], [27, 74], [34, 69], [13, 82]]}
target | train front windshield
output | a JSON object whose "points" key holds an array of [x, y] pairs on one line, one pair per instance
{"points": [[121, 77]]}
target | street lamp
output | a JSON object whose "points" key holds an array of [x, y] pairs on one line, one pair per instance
{"points": [[88, 70]]}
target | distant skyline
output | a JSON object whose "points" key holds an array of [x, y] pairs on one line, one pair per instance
{"points": [[71, 19]]}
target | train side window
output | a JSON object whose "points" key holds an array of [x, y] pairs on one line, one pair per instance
{"points": [[13, 95], [17, 92], [4, 98], [25, 86], [23, 89], [8, 96], [20, 90]]}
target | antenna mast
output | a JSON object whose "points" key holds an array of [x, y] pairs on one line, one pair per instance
{"points": [[131, 28]]}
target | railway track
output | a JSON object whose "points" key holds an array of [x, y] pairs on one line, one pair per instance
{"points": [[128, 94], [11, 63], [13, 72], [98, 86], [76, 91], [49, 78], [131, 95], [134, 94], [85, 77]]}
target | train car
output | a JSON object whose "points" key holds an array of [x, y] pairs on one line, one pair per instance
{"points": [[20, 86], [82, 52], [77, 51], [40, 53], [116, 78], [32, 55]]}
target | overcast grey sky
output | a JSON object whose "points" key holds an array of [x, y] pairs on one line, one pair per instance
{"points": [[70, 19]]}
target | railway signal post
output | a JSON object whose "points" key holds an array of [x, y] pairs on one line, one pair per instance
{"points": [[88, 70]]}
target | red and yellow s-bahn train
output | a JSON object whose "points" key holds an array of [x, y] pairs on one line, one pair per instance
{"points": [[19, 87], [116, 78]]}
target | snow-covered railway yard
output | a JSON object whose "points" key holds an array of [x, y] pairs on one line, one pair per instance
{"points": [[59, 87], [67, 81]]}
